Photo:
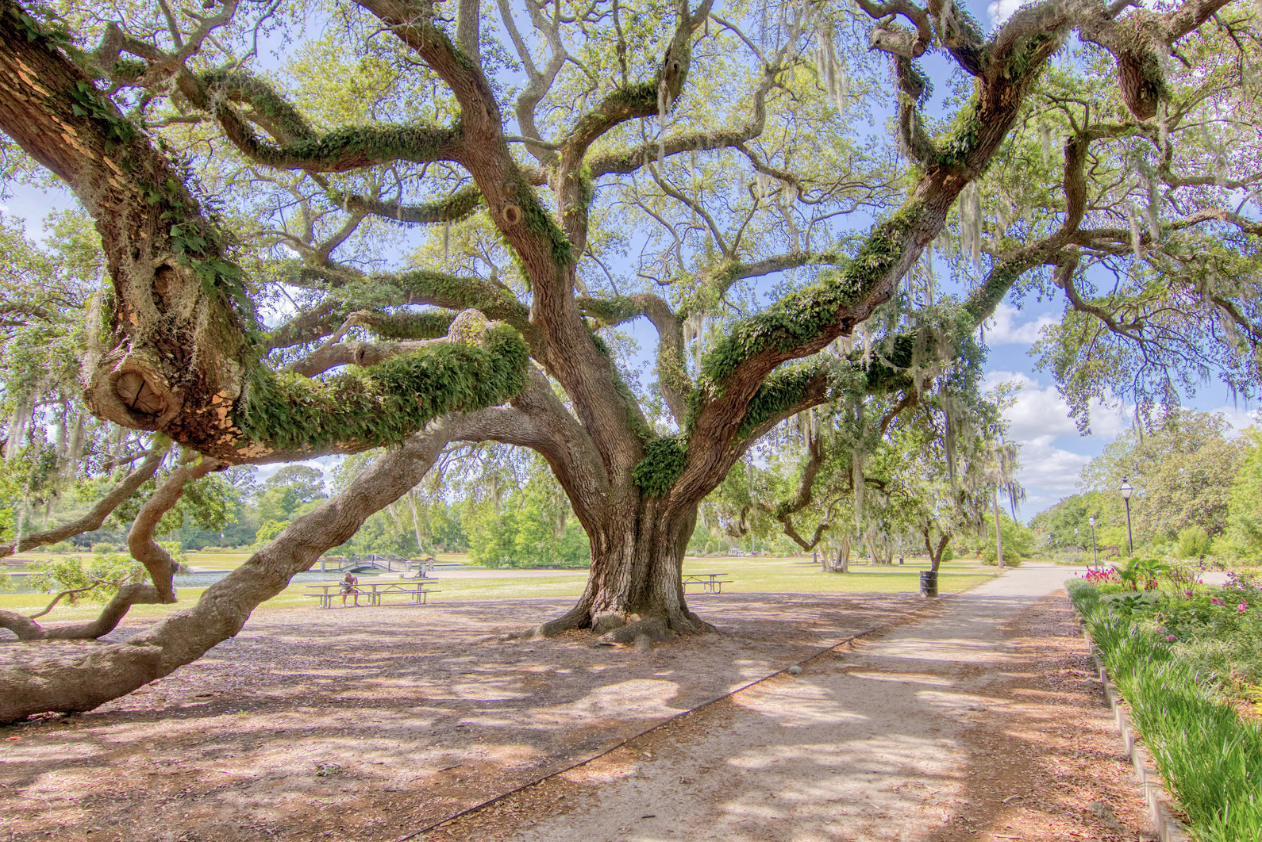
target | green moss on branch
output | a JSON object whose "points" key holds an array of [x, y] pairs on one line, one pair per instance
{"points": [[806, 315], [663, 462], [386, 403]]}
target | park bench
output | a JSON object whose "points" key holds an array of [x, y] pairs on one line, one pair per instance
{"points": [[327, 593], [707, 582]]}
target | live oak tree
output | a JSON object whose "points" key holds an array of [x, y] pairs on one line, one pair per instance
{"points": [[544, 142]]}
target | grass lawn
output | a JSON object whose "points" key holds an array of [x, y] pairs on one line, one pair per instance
{"points": [[750, 575]]}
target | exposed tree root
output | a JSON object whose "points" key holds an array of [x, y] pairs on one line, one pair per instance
{"points": [[612, 627]]}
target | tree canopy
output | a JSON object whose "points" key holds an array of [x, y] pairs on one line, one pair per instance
{"points": [[428, 223]]}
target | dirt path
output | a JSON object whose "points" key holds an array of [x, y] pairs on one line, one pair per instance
{"points": [[979, 721]]}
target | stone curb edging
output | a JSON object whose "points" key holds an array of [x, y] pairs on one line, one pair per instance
{"points": [[1169, 829]]}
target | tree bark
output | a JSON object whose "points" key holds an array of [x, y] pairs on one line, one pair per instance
{"points": [[936, 551], [635, 587]]}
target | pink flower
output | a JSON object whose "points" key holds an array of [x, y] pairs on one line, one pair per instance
{"points": [[1171, 638], [1216, 600], [1242, 607], [1189, 593]]}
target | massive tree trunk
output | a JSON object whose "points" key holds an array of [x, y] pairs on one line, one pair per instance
{"points": [[636, 587]]}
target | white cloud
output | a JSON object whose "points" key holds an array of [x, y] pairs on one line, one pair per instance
{"points": [[1037, 417], [1003, 328], [1041, 411], [1048, 468], [1001, 10], [1239, 419]]}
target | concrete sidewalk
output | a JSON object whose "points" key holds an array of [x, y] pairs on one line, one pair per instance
{"points": [[863, 745]]}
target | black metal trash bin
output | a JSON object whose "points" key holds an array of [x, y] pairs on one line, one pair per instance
{"points": [[928, 583]]}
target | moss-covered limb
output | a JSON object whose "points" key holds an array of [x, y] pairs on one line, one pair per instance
{"points": [[913, 86], [645, 98], [672, 374], [382, 404], [713, 283], [805, 321], [961, 35], [790, 390], [268, 108], [406, 324], [416, 330], [344, 149], [625, 161], [1007, 270], [459, 205], [664, 460], [315, 323], [421, 286]]}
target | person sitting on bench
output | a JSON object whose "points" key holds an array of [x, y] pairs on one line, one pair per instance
{"points": [[348, 587]]}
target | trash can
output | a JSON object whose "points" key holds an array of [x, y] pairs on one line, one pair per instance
{"points": [[928, 583]]}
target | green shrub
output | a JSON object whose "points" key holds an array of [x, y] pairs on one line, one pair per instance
{"points": [[1194, 543], [104, 547], [267, 531], [102, 577]]}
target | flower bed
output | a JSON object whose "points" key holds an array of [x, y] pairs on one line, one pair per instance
{"points": [[1183, 656]]}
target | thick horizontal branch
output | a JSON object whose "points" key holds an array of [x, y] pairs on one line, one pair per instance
{"points": [[378, 405]]}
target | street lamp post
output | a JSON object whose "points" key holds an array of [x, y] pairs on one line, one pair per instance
{"points": [[1127, 490], [1094, 552]]}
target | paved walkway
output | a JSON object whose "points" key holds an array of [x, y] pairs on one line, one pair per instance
{"points": [[863, 745]]}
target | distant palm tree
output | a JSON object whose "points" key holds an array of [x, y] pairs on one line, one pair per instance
{"points": [[1001, 467]]}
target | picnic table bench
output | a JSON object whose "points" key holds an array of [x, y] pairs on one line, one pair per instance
{"points": [[327, 593], [708, 582]]}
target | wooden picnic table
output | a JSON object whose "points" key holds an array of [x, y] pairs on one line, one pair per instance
{"points": [[327, 593], [708, 582]]}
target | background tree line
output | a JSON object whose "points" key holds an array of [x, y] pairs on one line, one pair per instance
{"points": [[1197, 492]]}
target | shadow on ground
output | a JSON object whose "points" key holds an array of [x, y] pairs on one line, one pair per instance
{"points": [[368, 724]]}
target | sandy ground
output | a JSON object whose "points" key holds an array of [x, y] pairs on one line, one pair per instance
{"points": [[973, 719], [367, 724], [980, 721]]}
